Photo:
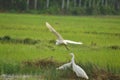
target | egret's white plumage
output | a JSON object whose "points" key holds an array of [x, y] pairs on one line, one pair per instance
{"points": [[77, 69], [65, 66], [60, 39], [72, 42], [54, 31]]}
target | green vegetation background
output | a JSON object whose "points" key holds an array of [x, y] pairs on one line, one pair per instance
{"points": [[100, 35]]}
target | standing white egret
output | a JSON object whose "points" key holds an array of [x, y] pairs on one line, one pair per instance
{"points": [[77, 69], [60, 39]]}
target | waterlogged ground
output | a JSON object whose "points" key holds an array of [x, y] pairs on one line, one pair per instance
{"points": [[20, 77], [28, 50]]}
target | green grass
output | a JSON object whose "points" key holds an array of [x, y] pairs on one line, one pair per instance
{"points": [[98, 33]]}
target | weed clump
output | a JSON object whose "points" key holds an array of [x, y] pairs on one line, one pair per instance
{"points": [[8, 39], [115, 47], [43, 63]]}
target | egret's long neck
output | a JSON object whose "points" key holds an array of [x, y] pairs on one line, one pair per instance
{"points": [[72, 59]]}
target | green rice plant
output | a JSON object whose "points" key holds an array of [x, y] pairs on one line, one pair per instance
{"points": [[100, 35]]}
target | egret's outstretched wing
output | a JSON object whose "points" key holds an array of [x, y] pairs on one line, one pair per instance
{"points": [[64, 66], [54, 31], [72, 42]]}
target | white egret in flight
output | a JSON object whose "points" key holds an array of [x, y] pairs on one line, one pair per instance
{"points": [[60, 39], [77, 69]]}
